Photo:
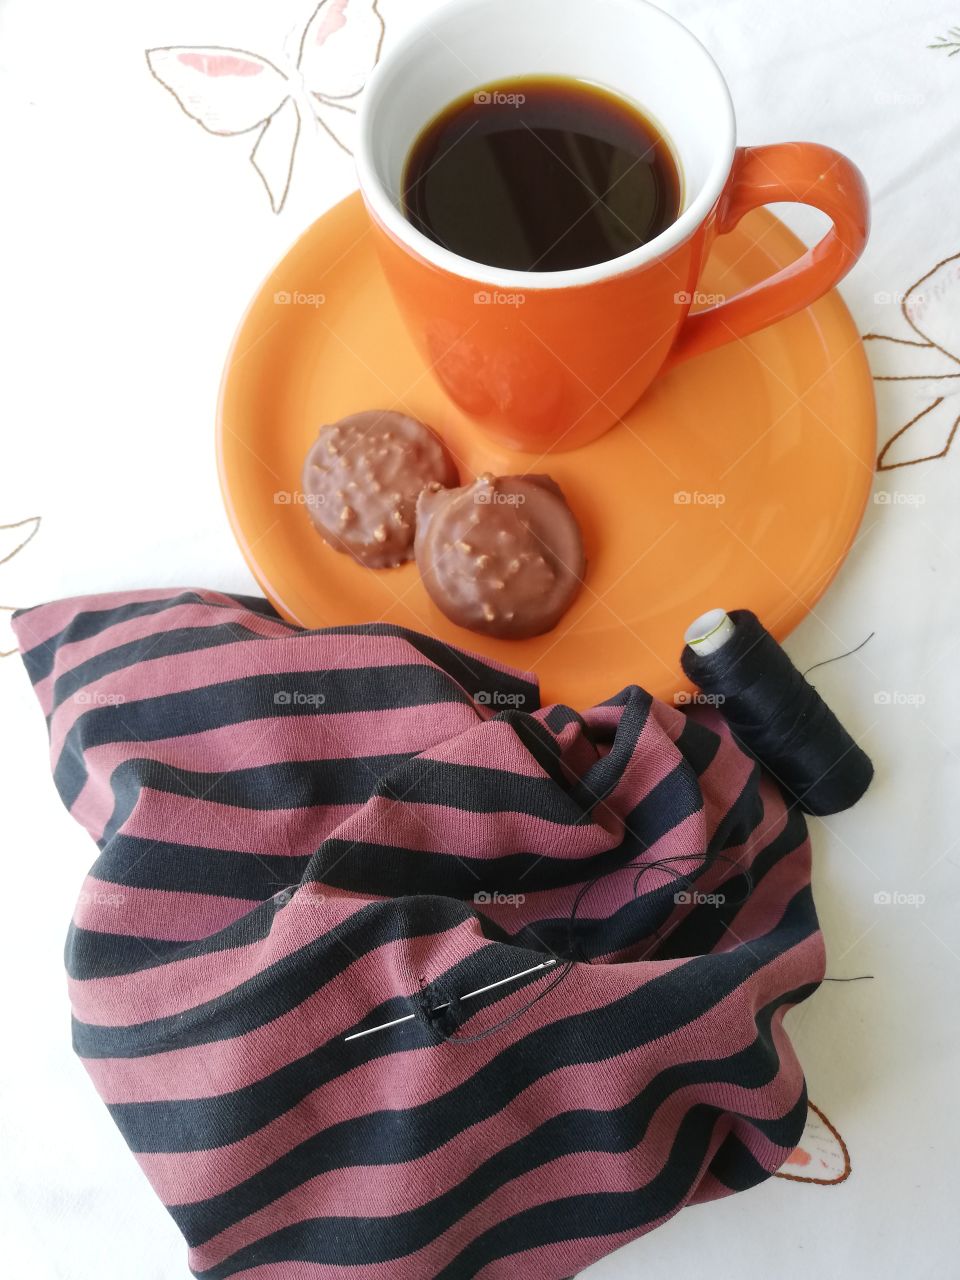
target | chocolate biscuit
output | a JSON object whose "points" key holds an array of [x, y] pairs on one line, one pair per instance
{"points": [[502, 556], [361, 480]]}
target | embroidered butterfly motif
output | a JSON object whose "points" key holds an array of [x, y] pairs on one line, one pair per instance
{"points": [[13, 538], [232, 91], [821, 1155], [931, 307]]}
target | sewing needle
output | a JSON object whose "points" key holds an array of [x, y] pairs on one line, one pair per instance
{"points": [[513, 977]]}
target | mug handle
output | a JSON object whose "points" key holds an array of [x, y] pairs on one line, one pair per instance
{"points": [[805, 173]]}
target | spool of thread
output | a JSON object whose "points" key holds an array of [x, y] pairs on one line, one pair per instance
{"points": [[774, 713]]}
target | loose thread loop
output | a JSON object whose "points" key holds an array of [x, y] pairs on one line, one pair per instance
{"points": [[451, 1006]]}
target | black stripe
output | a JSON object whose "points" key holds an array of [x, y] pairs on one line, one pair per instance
{"points": [[658, 1008], [604, 775], [365, 867], [470, 671], [401, 872], [257, 604], [280, 987], [706, 923], [699, 745], [559, 716], [160, 644], [90, 954], [298, 785], [577, 1131], [231, 702], [738, 1169], [539, 742], [138, 863], [41, 658]]}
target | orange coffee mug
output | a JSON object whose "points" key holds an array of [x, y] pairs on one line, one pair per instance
{"points": [[549, 360]]}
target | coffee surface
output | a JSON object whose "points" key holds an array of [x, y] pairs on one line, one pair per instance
{"points": [[541, 174]]}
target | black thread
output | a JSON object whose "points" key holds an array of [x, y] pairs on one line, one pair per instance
{"points": [[849, 654], [438, 1019], [780, 719]]}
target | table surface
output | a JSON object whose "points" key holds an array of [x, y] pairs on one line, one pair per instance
{"points": [[133, 241]]}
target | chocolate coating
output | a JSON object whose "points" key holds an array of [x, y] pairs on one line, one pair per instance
{"points": [[502, 556], [362, 478]]}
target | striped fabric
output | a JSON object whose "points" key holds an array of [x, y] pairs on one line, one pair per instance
{"points": [[306, 834]]}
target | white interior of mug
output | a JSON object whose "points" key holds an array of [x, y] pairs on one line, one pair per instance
{"points": [[627, 46]]}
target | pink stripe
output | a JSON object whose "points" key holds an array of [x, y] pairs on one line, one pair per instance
{"points": [[331, 1011], [155, 913], [708, 1189], [184, 984], [539, 1186], [737, 859], [48, 620], [198, 669], [254, 743], [185, 1177], [161, 816], [187, 616], [181, 985], [489, 744], [438, 828], [725, 778], [385, 1190]]}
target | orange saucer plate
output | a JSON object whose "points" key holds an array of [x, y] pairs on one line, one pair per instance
{"points": [[739, 480]]}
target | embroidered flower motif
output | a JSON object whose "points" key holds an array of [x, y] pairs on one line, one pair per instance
{"points": [[13, 538], [931, 307], [821, 1155], [950, 42]]}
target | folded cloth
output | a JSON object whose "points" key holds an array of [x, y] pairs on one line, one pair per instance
{"points": [[304, 834]]}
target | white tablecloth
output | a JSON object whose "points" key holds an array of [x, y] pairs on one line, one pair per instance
{"points": [[132, 241]]}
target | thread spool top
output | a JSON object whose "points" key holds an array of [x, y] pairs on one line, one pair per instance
{"points": [[710, 631]]}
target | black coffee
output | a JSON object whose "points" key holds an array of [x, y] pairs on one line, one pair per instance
{"points": [[541, 174]]}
